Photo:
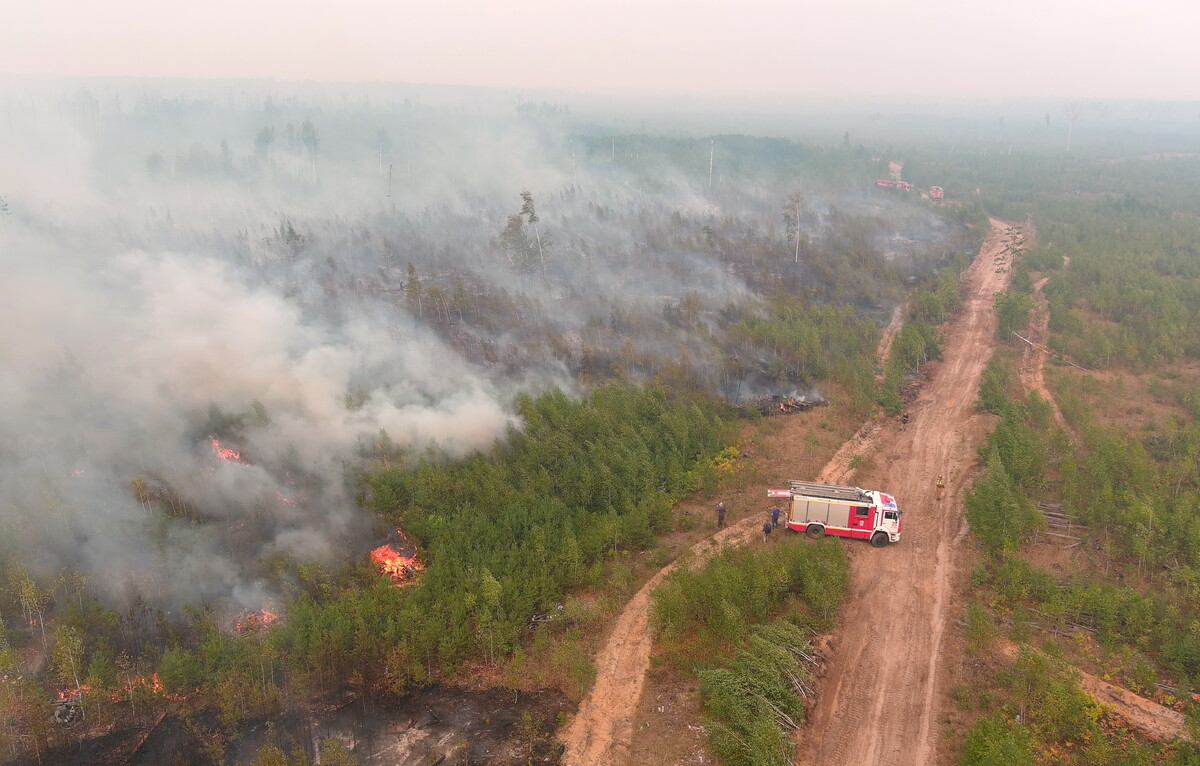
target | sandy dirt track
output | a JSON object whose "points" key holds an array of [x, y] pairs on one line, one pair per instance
{"points": [[878, 701]]}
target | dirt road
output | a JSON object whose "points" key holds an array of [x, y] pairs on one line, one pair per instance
{"points": [[885, 663], [882, 677]]}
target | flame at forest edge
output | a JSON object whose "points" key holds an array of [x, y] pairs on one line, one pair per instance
{"points": [[255, 621], [395, 565], [154, 686]]}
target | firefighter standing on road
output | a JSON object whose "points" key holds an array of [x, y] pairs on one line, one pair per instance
{"points": [[941, 486], [720, 514], [904, 420]]}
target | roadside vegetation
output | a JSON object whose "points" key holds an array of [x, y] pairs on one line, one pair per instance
{"points": [[918, 341], [743, 625], [508, 534]]}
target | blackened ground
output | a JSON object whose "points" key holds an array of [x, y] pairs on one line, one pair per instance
{"points": [[443, 725]]}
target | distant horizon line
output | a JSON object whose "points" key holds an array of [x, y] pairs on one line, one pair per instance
{"points": [[763, 97]]}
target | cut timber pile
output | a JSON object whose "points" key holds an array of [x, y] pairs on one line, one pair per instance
{"points": [[1060, 525]]}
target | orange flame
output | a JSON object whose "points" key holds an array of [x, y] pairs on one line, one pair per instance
{"points": [[224, 453], [400, 568], [154, 686], [255, 621]]}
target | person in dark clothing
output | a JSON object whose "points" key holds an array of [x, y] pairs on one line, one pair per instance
{"points": [[721, 514], [775, 517], [903, 420], [766, 530]]}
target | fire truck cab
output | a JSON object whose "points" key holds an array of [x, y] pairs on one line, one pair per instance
{"points": [[829, 509]]}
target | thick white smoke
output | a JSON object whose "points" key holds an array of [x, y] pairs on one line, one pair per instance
{"points": [[113, 363]]}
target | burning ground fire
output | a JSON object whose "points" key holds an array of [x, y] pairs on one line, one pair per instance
{"points": [[224, 453], [255, 621], [402, 569], [153, 685]]}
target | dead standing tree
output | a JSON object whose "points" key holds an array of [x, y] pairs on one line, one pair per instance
{"points": [[791, 220], [525, 254], [531, 216]]}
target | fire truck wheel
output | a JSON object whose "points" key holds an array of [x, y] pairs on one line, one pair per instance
{"points": [[814, 531], [879, 540]]}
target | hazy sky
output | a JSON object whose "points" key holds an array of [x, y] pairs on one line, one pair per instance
{"points": [[1054, 48]]}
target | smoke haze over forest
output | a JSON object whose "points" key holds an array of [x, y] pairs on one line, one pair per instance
{"points": [[293, 273]]}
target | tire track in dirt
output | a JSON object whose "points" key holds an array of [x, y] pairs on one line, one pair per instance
{"points": [[885, 658], [889, 336]]}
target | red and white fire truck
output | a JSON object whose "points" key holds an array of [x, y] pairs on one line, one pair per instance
{"points": [[828, 509]]}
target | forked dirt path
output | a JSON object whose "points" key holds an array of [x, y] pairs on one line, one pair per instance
{"points": [[878, 701], [1033, 362], [882, 675]]}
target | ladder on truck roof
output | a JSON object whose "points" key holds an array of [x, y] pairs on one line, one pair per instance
{"points": [[830, 491]]}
